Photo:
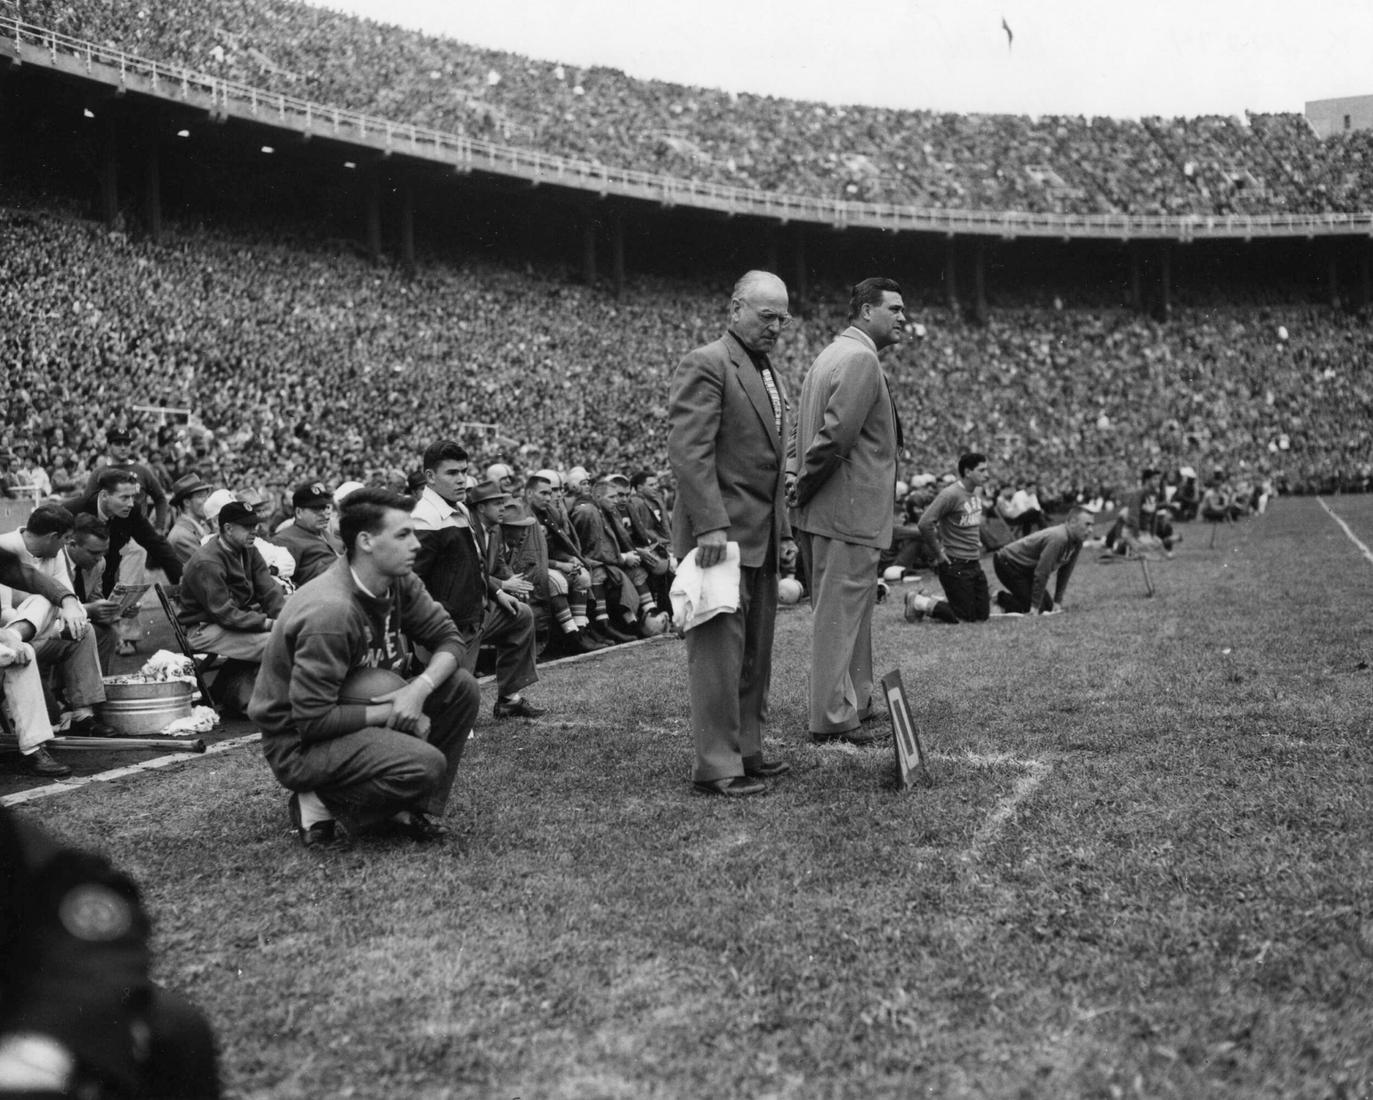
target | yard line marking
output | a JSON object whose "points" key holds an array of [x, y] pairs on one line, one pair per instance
{"points": [[52, 790], [1352, 537], [1036, 771]]}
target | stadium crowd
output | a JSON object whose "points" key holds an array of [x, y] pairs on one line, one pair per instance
{"points": [[299, 363], [1210, 165]]}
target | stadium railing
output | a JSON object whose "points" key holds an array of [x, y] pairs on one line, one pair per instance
{"points": [[26, 43]]}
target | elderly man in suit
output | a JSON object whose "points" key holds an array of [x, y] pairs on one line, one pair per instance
{"points": [[727, 427], [848, 437]]}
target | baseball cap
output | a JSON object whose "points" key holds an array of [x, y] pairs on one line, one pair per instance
{"points": [[312, 494], [236, 512]]}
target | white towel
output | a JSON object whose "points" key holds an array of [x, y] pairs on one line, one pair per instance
{"points": [[700, 594]]}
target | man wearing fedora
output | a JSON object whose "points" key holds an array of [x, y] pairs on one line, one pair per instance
{"points": [[306, 536], [192, 527], [509, 623]]}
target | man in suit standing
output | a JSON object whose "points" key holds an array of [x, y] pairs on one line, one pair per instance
{"points": [[847, 441], [726, 438]]}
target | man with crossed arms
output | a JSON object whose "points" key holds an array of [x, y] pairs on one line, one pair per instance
{"points": [[847, 440]]}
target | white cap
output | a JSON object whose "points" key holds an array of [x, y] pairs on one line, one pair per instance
{"points": [[215, 501], [577, 475], [346, 488], [551, 476], [498, 470]]}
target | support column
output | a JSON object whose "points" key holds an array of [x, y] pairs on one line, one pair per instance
{"points": [[372, 198], [1136, 289], [800, 289], [1365, 283], [407, 226], [1165, 281], [152, 190], [951, 273], [588, 248], [617, 251], [1333, 269], [109, 168], [979, 312]]}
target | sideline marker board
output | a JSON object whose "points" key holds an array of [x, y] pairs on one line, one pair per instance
{"points": [[910, 755]]}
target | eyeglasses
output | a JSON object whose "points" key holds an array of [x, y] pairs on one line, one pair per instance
{"points": [[771, 317]]}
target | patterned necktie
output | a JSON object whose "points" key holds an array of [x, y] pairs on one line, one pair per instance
{"points": [[765, 369]]}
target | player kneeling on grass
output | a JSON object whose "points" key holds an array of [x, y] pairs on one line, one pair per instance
{"points": [[1026, 565], [344, 748]]}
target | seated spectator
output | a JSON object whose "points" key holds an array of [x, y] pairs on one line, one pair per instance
{"points": [[25, 707], [82, 1016], [34, 619], [22, 687], [509, 623], [395, 758], [1026, 565], [191, 528], [306, 536], [84, 553], [650, 533], [619, 581], [452, 564], [1141, 517], [229, 600], [1025, 515], [280, 562], [1217, 503], [561, 587], [113, 503]]}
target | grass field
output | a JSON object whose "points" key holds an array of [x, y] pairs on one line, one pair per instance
{"points": [[1144, 868]]}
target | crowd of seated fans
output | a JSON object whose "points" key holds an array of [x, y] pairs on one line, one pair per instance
{"points": [[1203, 166], [307, 364]]}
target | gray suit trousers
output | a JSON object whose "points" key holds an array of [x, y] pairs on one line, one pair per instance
{"points": [[843, 591], [729, 665]]}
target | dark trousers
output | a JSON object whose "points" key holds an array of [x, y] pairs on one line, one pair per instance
{"points": [[512, 637], [373, 773], [1020, 583], [965, 590]]}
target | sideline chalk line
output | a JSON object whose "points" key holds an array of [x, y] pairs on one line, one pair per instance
{"points": [[1367, 553], [62, 786]]}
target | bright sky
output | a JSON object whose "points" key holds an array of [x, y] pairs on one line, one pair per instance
{"points": [[1164, 57]]}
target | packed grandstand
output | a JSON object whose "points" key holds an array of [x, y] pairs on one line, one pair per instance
{"points": [[300, 358]]}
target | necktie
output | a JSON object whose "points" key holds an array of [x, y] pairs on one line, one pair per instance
{"points": [[765, 369]]}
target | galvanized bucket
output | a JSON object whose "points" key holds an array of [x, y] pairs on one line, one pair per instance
{"points": [[141, 709]]}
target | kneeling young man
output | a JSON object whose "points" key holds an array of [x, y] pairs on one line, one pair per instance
{"points": [[1026, 565], [395, 757]]}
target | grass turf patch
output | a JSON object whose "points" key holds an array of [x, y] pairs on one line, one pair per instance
{"points": [[1142, 868]]}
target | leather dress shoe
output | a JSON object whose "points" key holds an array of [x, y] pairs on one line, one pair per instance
{"points": [[91, 726], [521, 709], [325, 836], [858, 737], [738, 786], [423, 829], [767, 769], [41, 762]]}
